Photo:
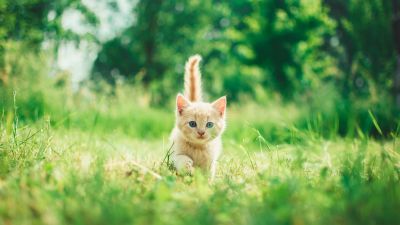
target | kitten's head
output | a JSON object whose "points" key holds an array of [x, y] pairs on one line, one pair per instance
{"points": [[200, 122]]}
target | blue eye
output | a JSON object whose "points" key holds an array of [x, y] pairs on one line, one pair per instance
{"points": [[192, 124], [209, 124]]}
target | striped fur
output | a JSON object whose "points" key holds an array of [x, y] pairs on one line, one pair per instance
{"points": [[193, 79]]}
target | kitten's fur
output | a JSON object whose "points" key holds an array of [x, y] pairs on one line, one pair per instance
{"points": [[191, 149]]}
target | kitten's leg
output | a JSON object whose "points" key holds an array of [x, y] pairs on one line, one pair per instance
{"points": [[183, 164]]}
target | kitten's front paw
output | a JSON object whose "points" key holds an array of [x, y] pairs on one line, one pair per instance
{"points": [[183, 165]]}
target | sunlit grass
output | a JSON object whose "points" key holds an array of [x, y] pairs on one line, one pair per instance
{"points": [[58, 175], [102, 158]]}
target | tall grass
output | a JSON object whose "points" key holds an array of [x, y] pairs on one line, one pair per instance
{"points": [[95, 178], [83, 157]]}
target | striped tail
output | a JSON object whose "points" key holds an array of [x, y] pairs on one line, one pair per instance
{"points": [[193, 79]]}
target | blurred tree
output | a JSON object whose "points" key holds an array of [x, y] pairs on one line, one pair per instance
{"points": [[365, 33], [33, 21], [396, 32], [289, 46], [288, 38], [165, 34], [238, 40], [367, 60]]}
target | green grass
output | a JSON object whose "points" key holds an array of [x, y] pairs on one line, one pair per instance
{"points": [[91, 157], [106, 166]]}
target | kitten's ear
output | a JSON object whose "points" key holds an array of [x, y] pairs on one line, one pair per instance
{"points": [[181, 103], [220, 105]]}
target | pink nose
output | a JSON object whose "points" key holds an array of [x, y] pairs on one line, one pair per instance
{"points": [[201, 133]]}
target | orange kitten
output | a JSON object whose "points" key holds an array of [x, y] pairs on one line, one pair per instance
{"points": [[199, 125]]}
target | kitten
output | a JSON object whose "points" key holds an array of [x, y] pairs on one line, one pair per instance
{"points": [[199, 125]]}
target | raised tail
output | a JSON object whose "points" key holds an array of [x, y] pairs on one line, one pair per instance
{"points": [[193, 79]]}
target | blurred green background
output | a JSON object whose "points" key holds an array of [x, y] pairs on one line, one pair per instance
{"points": [[87, 92], [334, 60]]}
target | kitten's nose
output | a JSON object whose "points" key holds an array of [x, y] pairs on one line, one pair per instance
{"points": [[201, 133]]}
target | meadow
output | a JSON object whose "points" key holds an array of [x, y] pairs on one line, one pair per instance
{"points": [[108, 163], [87, 104]]}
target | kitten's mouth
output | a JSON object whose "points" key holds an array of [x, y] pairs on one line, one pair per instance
{"points": [[201, 137]]}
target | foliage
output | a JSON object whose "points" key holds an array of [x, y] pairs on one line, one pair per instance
{"points": [[312, 131], [288, 40], [367, 53], [315, 53], [34, 22], [158, 44], [278, 46]]}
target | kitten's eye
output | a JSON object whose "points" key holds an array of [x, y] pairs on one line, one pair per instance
{"points": [[192, 123], [209, 124]]}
